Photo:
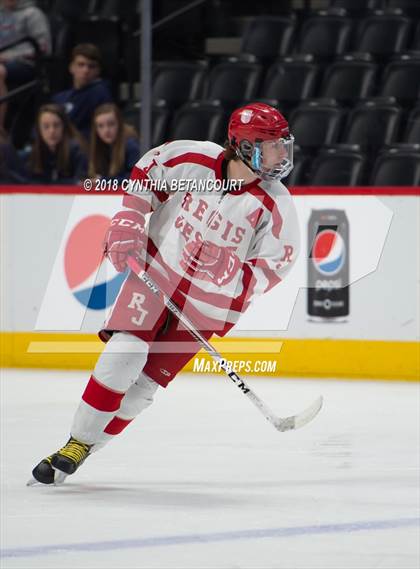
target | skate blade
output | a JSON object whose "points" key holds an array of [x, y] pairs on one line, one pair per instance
{"points": [[59, 478]]}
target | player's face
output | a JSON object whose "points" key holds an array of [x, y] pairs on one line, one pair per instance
{"points": [[107, 127], [273, 152], [274, 158], [51, 129], [84, 71]]}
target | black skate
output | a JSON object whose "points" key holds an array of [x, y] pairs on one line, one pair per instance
{"points": [[55, 468], [71, 456], [43, 472]]}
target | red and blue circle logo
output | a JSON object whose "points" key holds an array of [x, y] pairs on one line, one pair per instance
{"points": [[83, 257], [328, 252]]}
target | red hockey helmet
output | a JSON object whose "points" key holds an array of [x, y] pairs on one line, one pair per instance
{"points": [[261, 137]]}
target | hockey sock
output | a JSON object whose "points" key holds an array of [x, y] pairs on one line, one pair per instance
{"points": [[138, 397], [116, 370]]}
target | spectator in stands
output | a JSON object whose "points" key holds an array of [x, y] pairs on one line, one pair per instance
{"points": [[20, 18], [12, 170], [57, 155], [114, 147], [88, 91]]}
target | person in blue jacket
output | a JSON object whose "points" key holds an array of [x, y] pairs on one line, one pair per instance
{"points": [[88, 91], [114, 146], [57, 155]]}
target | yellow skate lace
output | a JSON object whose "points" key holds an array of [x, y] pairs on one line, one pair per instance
{"points": [[75, 450]]}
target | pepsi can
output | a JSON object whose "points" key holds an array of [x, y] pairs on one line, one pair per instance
{"points": [[328, 264]]}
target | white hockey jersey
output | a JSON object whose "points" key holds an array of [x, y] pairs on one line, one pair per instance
{"points": [[257, 222]]}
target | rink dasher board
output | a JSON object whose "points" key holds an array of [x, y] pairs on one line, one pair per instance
{"points": [[378, 339]]}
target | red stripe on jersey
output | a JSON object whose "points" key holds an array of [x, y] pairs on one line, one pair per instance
{"points": [[194, 158], [116, 425], [271, 205], [248, 282], [189, 289], [269, 273], [218, 166], [161, 195], [201, 321], [137, 203], [101, 397], [139, 174], [272, 277]]}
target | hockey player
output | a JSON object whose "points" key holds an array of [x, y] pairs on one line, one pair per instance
{"points": [[212, 252]]}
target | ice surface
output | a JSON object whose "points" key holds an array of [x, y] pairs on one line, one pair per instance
{"points": [[201, 480]]}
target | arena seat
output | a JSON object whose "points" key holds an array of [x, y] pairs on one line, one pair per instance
{"points": [[411, 133], [324, 35], [233, 81], [267, 37], [401, 80], [199, 120], [382, 35], [160, 120], [397, 166], [337, 167], [373, 123], [291, 81], [316, 124], [177, 82], [350, 79]]}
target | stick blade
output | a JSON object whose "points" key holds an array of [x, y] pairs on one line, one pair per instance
{"points": [[301, 419]]}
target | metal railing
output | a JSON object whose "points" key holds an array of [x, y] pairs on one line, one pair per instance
{"points": [[145, 34], [30, 84]]}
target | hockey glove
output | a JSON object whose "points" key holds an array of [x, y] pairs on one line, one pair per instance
{"points": [[125, 236], [207, 261]]}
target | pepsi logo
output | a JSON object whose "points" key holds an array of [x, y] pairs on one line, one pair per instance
{"points": [[328, 252], [83, 259]]}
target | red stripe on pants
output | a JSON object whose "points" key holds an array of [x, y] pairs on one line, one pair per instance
{"points": [[116, 425], [100, 397]]}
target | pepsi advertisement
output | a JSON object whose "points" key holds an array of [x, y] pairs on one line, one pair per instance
{"points": [[82, 281], [328, 265], [82, 261]]}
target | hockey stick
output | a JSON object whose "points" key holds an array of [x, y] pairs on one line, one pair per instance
{"points": [[280, 423]]}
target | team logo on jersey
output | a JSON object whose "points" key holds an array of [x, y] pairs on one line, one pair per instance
{"points": [[328, 252], [83, 260]]}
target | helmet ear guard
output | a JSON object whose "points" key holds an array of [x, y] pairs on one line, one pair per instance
{"points": [[261, 138], [244, 149], [256, 158]]}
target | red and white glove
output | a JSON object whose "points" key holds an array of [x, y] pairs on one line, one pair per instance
{"points": [[209, 262], [125, 235]]}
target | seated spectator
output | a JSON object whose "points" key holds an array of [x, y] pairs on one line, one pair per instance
{"points": [[57, 155], [19, 18], [114, 147], [88, 91], [12, 170]]}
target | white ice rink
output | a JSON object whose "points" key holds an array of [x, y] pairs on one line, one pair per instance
{"points": [[201, 480]]}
